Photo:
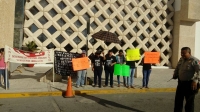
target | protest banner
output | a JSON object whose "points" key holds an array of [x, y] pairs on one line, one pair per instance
{"points": [[80, 63], [121, 70], [25, 57], [132, 54], [63, 63], [152, 57]]}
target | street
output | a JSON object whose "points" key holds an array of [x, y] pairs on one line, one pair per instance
{"points": [[138, 102]]}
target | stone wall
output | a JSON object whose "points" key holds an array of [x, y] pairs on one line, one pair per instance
{"points": [[7, 8]]}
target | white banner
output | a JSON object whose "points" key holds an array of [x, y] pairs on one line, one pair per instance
{"points": [[20, 56]]}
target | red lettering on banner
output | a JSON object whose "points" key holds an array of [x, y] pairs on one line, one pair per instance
{"points": [[20, 56], [36, 61]]}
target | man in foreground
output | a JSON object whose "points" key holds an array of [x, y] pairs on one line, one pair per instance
{"points": [[187, 73]]}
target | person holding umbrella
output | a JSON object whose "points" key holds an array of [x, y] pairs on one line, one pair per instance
{"points": [[110, 60], [97, 68]]}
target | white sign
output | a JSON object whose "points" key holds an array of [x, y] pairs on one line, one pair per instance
{"points": [[20, 56]]}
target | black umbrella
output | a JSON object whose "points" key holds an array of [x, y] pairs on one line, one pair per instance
{"points": [[106, 36]]}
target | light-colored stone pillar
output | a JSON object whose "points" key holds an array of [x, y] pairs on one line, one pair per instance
{"points": [[7, 15], [185, 18]]}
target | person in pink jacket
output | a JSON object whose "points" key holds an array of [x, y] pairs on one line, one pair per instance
{"points": [[3, 67]]}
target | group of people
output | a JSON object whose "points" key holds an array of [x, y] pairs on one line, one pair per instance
{"points": [[98, 62], [3, 70], [187, 72]]}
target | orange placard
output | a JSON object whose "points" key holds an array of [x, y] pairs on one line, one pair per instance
{"points": [[80, 63], [152, 57]]}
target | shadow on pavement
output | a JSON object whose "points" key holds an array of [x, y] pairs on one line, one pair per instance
{"points": [[20, 76], [104, 102], [100, 101]]}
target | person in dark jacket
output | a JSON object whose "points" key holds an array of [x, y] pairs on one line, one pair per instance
{"points": [[110, 60], [132, 72], [146, 71], [97, 68]]}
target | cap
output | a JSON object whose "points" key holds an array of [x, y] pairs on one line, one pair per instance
{"points": [[83, 52]]}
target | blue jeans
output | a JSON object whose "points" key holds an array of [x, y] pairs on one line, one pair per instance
{"points": [[109, 72], [124, 80], [2, 72], [131, 77], [145, 80], [97, 73], [81, 77]]}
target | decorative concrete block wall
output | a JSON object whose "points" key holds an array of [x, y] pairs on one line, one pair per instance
{"points": [[61, 24]]}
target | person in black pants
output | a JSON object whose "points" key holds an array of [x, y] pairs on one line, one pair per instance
{"points": [[97, 68], [187, 72], [110, 60]]}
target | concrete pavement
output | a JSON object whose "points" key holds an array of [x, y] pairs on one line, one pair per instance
{"points": [[26, 84]]}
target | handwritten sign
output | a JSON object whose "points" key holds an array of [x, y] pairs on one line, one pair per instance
{"points": [[63, 63], [152, 57], [122, 70], [80, 63], [133, 54]]}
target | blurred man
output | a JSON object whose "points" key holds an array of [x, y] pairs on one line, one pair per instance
{"points": [[97, 68], [81, 74], [110, 60], [121, 60], [187, 73]]}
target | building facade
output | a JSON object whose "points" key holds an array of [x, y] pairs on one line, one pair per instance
{"points": [[150, 25]]}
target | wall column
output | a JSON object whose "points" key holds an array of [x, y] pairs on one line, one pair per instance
{"points": [[7, 15], [184, 32]]}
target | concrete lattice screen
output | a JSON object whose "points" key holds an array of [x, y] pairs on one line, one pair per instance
{"points": [[61, 24]]}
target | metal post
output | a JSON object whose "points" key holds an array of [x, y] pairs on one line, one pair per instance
{"points": [[88, 32], [53, 67], [6, 76]]}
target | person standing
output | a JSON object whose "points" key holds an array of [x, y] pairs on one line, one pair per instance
{"points": [[187, 73], [146, 71], [132, 72], [81, 74], [110, 60], [121, 60], [3, 68], [97, 68]]}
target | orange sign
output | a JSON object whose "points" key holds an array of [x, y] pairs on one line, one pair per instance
{"points": [[152, 57], [80, 63]]}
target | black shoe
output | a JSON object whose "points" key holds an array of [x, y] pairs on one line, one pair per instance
{"points": [[112, 86], [94, 85], [99, 86]]}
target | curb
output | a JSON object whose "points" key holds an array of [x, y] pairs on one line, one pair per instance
{"points": [[84, 92]]}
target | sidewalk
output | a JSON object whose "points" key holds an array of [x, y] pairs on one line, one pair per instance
{"points": [[26, 84]]}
